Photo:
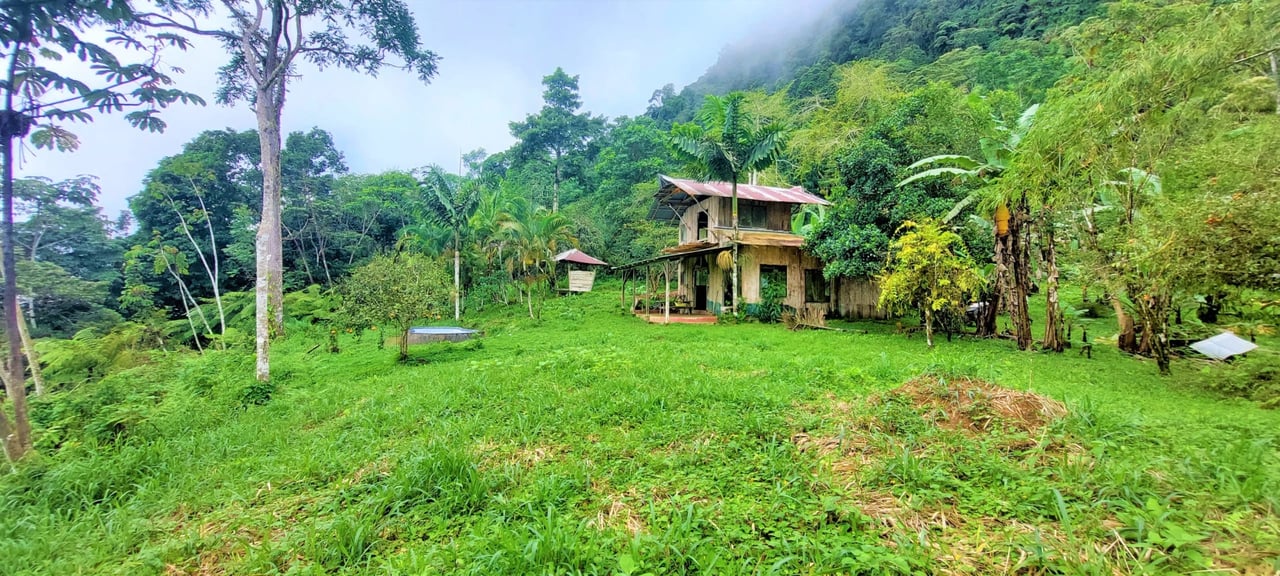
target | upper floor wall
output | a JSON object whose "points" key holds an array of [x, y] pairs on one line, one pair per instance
{"points": [[711, 218]]}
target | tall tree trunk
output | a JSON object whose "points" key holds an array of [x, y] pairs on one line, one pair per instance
{"points": [[1013, 262], [17, 438], [33, 357], [269, 287], [210, 271], [555, 186], [737, 302], [457, 276], [1128, 337], [987, 321], [1153, 312], [1054, 339], [928, 326]]}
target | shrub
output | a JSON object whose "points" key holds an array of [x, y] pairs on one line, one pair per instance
{"points": [[396, 290]]}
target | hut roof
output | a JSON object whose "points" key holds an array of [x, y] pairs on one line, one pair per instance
{"points": [[579, 257]]}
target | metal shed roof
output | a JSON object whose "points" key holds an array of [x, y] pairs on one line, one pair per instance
{"points": [[1223, 346], [579, 257], [676, 194]]}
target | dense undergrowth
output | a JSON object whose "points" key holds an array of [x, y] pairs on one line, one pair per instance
{"points": [[591, 443]]}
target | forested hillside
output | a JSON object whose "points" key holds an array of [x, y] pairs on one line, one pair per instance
{"points": [[1003, 44]]}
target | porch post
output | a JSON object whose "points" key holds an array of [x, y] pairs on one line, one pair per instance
{"points": [[666, 284]]}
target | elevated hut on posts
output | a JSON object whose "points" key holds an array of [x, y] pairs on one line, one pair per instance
{"points": [[581, 269]]}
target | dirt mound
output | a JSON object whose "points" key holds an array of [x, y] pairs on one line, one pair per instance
{"points": [[973, 405]]}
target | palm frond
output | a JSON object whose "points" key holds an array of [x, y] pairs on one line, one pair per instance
{"points": [[959, 207], [768, 143], [956, 160], [958, 172]]}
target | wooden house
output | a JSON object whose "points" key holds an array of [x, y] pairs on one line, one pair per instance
{"points": [[770, 253]]}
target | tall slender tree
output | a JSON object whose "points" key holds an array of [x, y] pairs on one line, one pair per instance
{"points": [[724, 143], [450, 201], [38, 100], [265, 40], [558, 130]]}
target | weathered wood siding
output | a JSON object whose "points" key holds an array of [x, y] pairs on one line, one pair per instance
{"points": [[713, 208], [856, 299], [796, 261], [780, 217]]}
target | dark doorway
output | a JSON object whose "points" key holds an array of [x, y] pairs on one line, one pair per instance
{"points": [[701, 274]]}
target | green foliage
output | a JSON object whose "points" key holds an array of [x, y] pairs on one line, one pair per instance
{"points": [[928, 272], [728, 140], [995, 45], [395, 291], [557, 136]]}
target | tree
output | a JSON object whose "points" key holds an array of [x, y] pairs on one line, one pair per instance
{"points": [[215, 175], [265, 40], [1156, 140], [38, 100], [1013, 274], [397, 290], [726, 142], [533, 237], [450, 203], [310, 165], [557, 131], [927, 273]]}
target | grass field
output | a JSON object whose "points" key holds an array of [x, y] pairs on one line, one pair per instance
{"points": [[591, 443]]}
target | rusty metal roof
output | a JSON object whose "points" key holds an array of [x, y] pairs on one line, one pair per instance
{"points": [[579, 257], [677, 194], [793, 195]]}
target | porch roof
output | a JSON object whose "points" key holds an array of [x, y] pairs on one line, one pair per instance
{"points": [[693, 251]]}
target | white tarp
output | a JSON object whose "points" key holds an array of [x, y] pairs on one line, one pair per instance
{"points": [[1223, 346]]}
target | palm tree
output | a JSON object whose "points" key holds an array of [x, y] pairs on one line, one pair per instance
{"points": [[726, 142], [450, 202], [534, 237]]}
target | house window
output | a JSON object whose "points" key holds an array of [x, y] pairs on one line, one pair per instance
{"points": [[702, 226], [773, 282], [753, 214], [816, 288]]}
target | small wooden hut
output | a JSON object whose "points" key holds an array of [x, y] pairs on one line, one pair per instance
{"points": [[581, 267]]}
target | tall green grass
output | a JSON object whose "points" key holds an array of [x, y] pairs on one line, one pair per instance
{"points": [[592, 443]]}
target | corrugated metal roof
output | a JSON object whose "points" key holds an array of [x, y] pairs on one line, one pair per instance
{"points": [[794, 195], [1223, 346], [579, 257]]}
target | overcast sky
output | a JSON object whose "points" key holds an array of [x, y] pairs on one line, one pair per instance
{"points": [[494, 55]]}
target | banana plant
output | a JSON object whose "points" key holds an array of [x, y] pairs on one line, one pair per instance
{"points": [[996, 157]]}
